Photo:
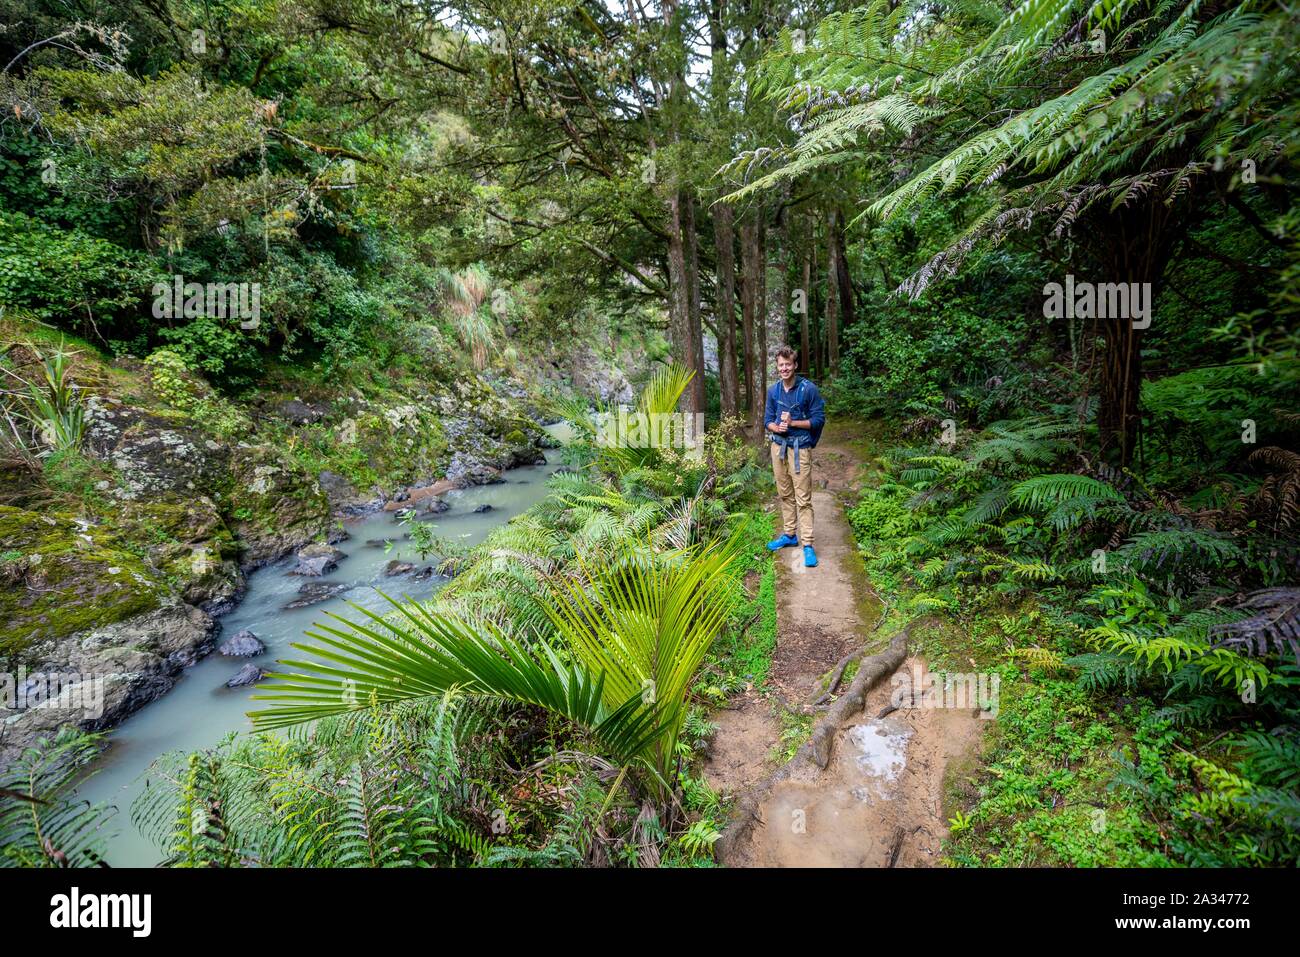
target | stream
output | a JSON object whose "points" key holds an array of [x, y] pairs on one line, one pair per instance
{"points": [[199, 710]]}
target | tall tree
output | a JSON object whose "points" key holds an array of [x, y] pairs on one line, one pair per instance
{"points": [[752, 312], [833, 294]]}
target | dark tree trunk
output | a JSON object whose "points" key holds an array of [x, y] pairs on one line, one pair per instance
{"points": [[694, 327], [723, 238], [832, 297], [847, 299], [806, 286], [752, 313], [760, 322], [748, 294], [1133, 247], [814, 306], [679, 286], [723, 223]]}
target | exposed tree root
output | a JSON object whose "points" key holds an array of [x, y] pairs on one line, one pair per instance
{"points": [[817, 748]]}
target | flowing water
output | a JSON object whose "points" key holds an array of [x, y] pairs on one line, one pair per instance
{"points": [[199, 710]]}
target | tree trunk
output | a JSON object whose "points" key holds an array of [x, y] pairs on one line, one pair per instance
{"points": [[806, 285], [1135, 250], [778, 293], [725, 277], [832, 298], [751, 321], [694, 327], [1121, 381], [814, 301], [723, 221], [683, 271], [847, 300], [761, 363], [679, 288]]}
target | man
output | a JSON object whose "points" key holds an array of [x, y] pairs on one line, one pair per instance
{"points": [[793, 419]]}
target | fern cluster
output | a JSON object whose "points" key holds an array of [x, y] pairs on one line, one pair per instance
{"points": [[1170, 599]]}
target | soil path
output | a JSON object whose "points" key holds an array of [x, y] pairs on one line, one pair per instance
{"points": [[879, 801]]}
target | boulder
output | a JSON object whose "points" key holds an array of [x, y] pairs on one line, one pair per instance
{"points": [[275, 506], [245, 644], [342, 495], [124, 666], [313, 593], [190, 543], [396, 567], [316, 560], [247, 675], [320, 550], [314, 567], [466, 469], [63, 575], [297, 412], [154, 453]]}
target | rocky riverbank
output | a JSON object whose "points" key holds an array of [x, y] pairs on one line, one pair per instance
{"points": [[179, 494]]}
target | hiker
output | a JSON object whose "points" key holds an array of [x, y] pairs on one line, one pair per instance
{"points": [[793, 419]]}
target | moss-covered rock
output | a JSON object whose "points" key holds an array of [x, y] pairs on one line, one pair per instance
{"points": [[187, 540], [63, 575], [119, 668], [274, 506]]}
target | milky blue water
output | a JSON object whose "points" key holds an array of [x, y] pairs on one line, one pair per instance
{"points": [[199, 711]]}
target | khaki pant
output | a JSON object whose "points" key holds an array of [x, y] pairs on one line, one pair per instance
{"points": [[795, 491]]}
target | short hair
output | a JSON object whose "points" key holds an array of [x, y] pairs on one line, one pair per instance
{"points": [[785, 352]]}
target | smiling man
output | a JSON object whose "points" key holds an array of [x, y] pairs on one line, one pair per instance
{"points": [[794, 419]]}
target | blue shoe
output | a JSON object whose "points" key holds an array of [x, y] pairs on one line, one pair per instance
{"points": [[785, 541], [809, 557]]}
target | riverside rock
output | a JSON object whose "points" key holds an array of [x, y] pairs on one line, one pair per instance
{"points": [[245, 644], [316, 560], [247, 675]]}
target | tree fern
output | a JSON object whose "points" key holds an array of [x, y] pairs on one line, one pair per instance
{"points": [[1275, 624]]}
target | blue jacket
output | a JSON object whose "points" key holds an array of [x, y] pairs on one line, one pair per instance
{"points": [[802, 402]]}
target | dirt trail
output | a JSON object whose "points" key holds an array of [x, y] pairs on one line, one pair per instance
{"points": [[879, 801]]}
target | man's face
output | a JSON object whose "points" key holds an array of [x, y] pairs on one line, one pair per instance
{"points": [[784, 367]]}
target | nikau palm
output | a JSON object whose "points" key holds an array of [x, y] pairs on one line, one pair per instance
{"points": [[658, 398], [627, 638]]}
